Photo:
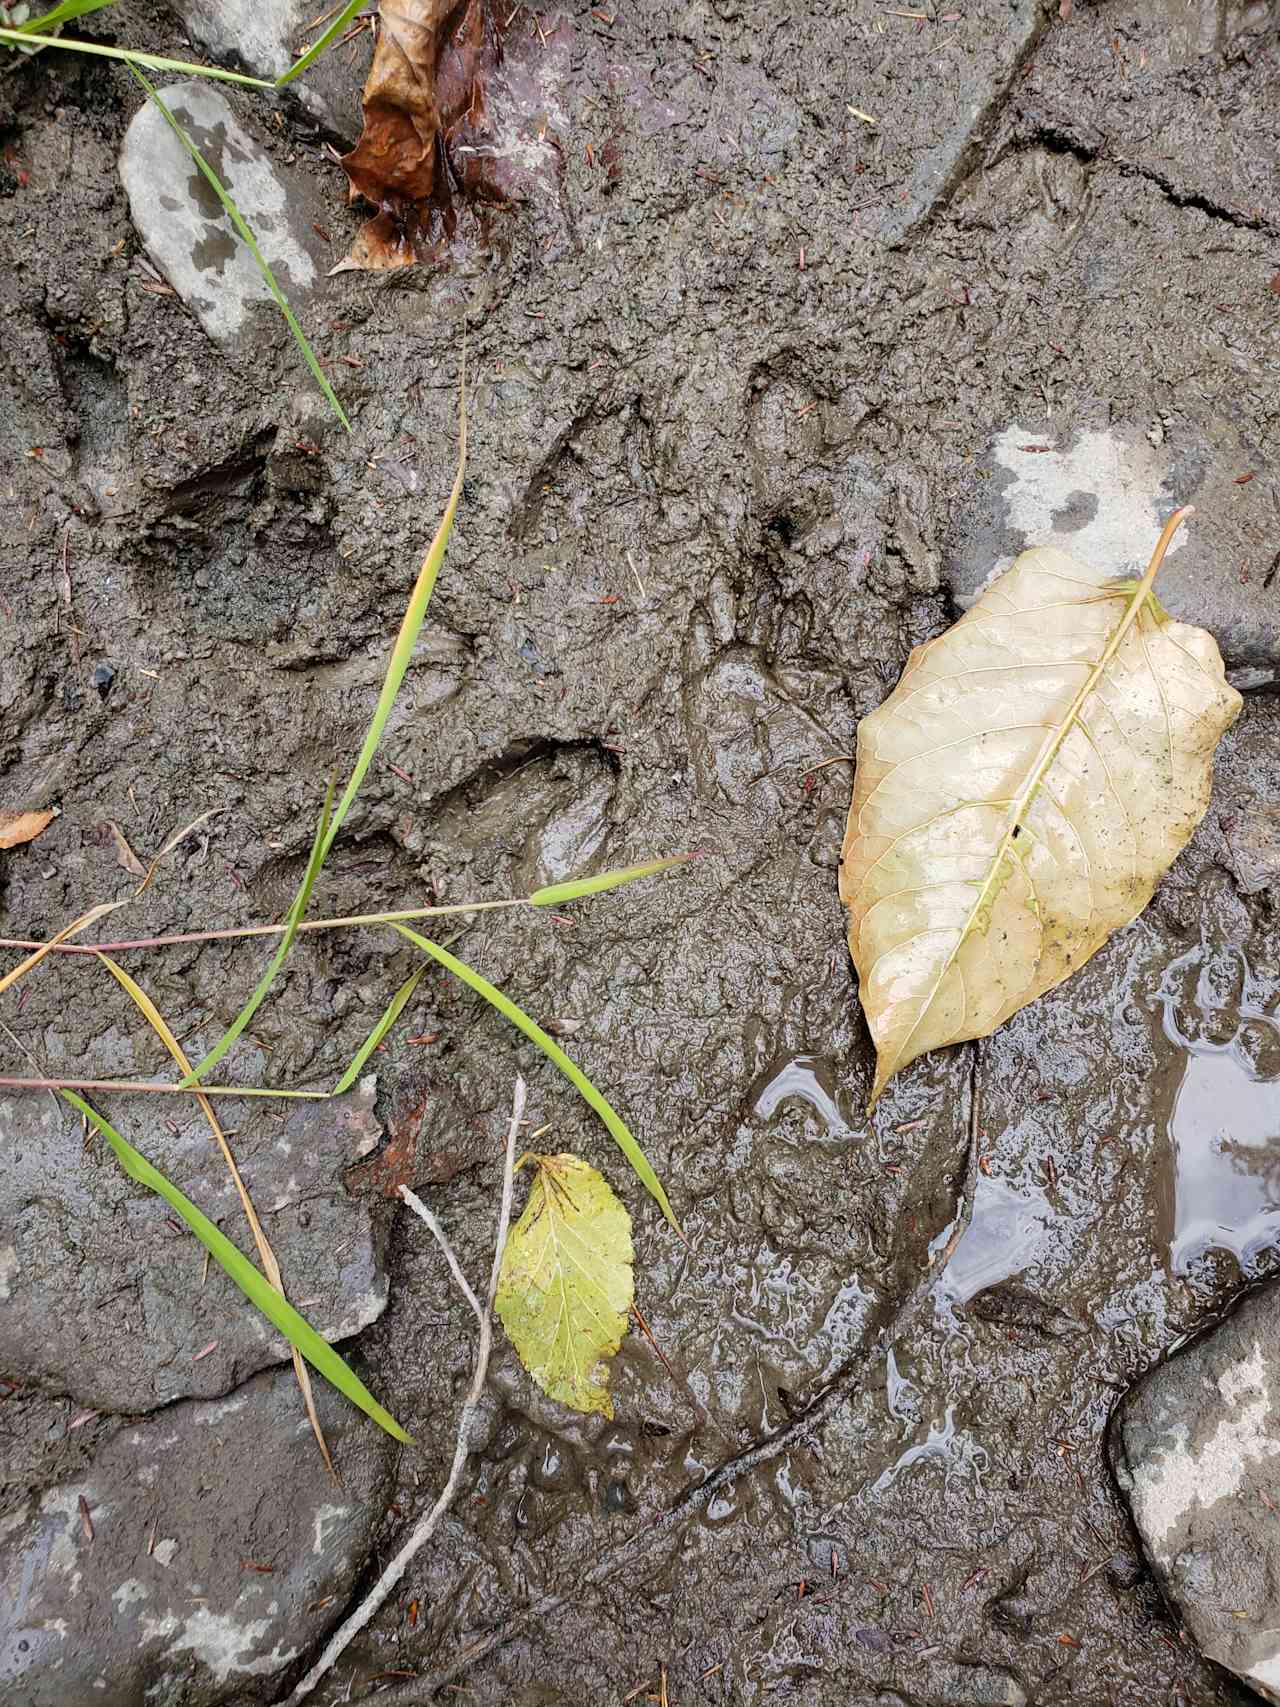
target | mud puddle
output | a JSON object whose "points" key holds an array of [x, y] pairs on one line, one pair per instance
{"points": [[1224, 1128]]}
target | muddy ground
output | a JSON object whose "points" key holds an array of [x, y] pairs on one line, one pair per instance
{"points": [[731, 415]]}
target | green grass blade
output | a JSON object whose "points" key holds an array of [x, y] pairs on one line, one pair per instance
{"points": [[237, 219], [576, 887], [410, 626], [132, 58], [375, 1037], [256, 1288], [316, 49], [618, 1128], [264, 983], [61, 15]]}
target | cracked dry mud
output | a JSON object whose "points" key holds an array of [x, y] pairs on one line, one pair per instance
{"points": [[748, 414]]}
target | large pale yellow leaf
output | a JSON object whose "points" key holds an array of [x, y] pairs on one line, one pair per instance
{"points": [[566, 1284], [1019, 795]]}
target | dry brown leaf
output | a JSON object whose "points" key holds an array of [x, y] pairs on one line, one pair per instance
{"points": [[1020, 793], [125, 855], [424, 94], [19, 827]]}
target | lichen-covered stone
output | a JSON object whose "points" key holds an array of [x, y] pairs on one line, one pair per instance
{"points": [[264, 37], [188, 233], [1196, 1448], [103, 1292], [1104, 492], [203, 1550]]}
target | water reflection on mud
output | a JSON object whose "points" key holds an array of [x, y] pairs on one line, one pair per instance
{"points": [[808, 1078], [1224, 1130], [1009, 1229]]}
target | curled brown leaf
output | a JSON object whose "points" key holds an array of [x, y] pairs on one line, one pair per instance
{"points": [[424, 94], [19, 827]]}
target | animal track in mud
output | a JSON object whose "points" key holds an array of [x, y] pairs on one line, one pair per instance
{"points": [[538, 812], [244, 552], [98, 409], [606, 445]]}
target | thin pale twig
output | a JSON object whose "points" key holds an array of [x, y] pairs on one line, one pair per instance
{"points": [[10, 1082], [425, 1527], [438, 1234], [43, 948], [234, 931], [21, 1046]]}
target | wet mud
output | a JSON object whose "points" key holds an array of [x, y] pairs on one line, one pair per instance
{"points": [[742, 363]]}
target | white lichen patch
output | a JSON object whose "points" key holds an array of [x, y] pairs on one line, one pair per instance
{"points": [[326, 1517], [130, 1593], [208, 1415], [1098, 498], [1166, 1490], [196, 247], [219, 1641], [62, 1505]]}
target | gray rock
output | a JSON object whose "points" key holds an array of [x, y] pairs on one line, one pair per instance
{"points": [[188, 234], [140, 1580], [1103, 493], [101, 1288], [1198, 27], [264, 37], [1196, 1448]]}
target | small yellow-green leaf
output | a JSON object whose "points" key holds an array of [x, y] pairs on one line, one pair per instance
{"points": [[566, 1283]]}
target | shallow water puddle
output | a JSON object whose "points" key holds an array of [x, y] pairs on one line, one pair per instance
{"points": [[809, 1078], [1009, 1229], [1224, 1136]]}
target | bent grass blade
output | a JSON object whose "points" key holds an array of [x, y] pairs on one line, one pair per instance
{"points": [[617, 1127], [277, 960], [132, 57], [317, 48], [556, 894], [394, 1009], [63, 14], [271, 1266], [410, 626], [256, 1288]]}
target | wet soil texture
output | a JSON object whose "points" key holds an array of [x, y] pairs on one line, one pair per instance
{"points": [[765, 358]]}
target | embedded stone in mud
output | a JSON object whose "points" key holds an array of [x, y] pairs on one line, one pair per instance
{"points": [[264, 37], [1103, 493], [102, 1287], [1196, 1448], [186, 230], [202, 1552]]}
